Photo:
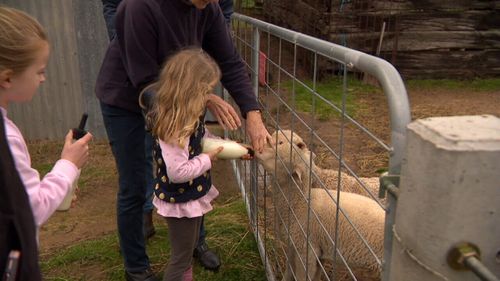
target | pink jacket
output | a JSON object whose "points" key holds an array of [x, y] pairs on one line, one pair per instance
{"points": [[45, 194]]}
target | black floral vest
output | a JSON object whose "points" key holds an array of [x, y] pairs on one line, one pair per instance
{"points": [[186, 191]]}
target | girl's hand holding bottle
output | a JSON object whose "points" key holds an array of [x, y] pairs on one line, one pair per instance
{"points": [[213, 153], [77, 152]]}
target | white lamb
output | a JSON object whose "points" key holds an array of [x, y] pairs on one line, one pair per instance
{"points": [[364, 213], [329, 177]]}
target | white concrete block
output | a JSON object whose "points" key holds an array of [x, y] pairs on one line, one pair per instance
{"points": [[450, 193]]}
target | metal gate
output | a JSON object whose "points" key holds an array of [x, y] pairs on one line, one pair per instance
{"points": [[289, 71]]}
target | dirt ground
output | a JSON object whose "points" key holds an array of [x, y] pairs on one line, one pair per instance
{"points": [[423, 104], [94, 213]]}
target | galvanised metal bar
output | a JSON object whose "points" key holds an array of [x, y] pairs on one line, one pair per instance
{"points": [[255, 60], [474, 264]]}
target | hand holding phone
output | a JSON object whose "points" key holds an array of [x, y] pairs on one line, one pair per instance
{"points": [[79, 132], [76, 148]]}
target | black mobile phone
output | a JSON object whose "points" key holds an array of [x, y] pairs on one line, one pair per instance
{"points": [[11, 267], [80, 131]]}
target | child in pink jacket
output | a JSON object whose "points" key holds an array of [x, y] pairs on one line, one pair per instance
{"points": [[183, 190], [24, 52]]}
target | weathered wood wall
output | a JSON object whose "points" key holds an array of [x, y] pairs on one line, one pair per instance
{"points": [[423, 38]]}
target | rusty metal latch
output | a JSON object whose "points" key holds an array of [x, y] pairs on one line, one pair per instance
{"points": [[389, 183]]}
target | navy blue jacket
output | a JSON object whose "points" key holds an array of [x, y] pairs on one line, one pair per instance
{"points": [[181, 192], [149, 31]]}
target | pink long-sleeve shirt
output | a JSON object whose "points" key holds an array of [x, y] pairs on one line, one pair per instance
{"points": [[45, 194], [181, 169]]}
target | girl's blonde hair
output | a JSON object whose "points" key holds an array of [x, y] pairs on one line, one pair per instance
{"points": [[20, 39], [184, 83]]}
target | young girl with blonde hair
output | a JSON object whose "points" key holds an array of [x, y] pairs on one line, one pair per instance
{"points": [[183, 190], [24, 52]]}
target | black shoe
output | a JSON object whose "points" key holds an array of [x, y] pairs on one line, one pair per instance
{"points": [[148, 229], [207, 258], [146, 275]]}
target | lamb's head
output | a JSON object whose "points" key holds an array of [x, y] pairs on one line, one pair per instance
{"points": [[289, 150]]}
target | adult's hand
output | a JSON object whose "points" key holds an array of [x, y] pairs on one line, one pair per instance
{"points": [[224, 112], [257, 131]]}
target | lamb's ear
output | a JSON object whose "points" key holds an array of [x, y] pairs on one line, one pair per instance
{"points": [[302, 146], [297, 174]]}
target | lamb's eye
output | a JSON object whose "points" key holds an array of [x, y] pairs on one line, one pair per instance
{"points": [[280, 142]]}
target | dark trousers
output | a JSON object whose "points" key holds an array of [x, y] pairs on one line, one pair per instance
{"points": [[183, 236], [127, 137]]}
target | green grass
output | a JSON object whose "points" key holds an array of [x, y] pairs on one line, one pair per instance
{"points": [[43, 168], [235, 242], [102, 253], [478, 85], [229, 236], [98, 258], [332, 90], [247, 4]]}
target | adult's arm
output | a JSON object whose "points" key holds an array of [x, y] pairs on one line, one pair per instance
{"points": [[227, 8], [219, 45], [235, 78]]}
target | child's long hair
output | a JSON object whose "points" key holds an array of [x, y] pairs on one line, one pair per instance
{"points": [[20, 39], [181, 94]]}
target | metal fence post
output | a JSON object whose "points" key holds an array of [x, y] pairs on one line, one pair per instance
{"points": [[255, 59]]}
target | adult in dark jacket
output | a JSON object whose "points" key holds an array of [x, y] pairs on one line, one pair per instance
{"points": [[17, 226], [149, 31], [207, 258]]}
